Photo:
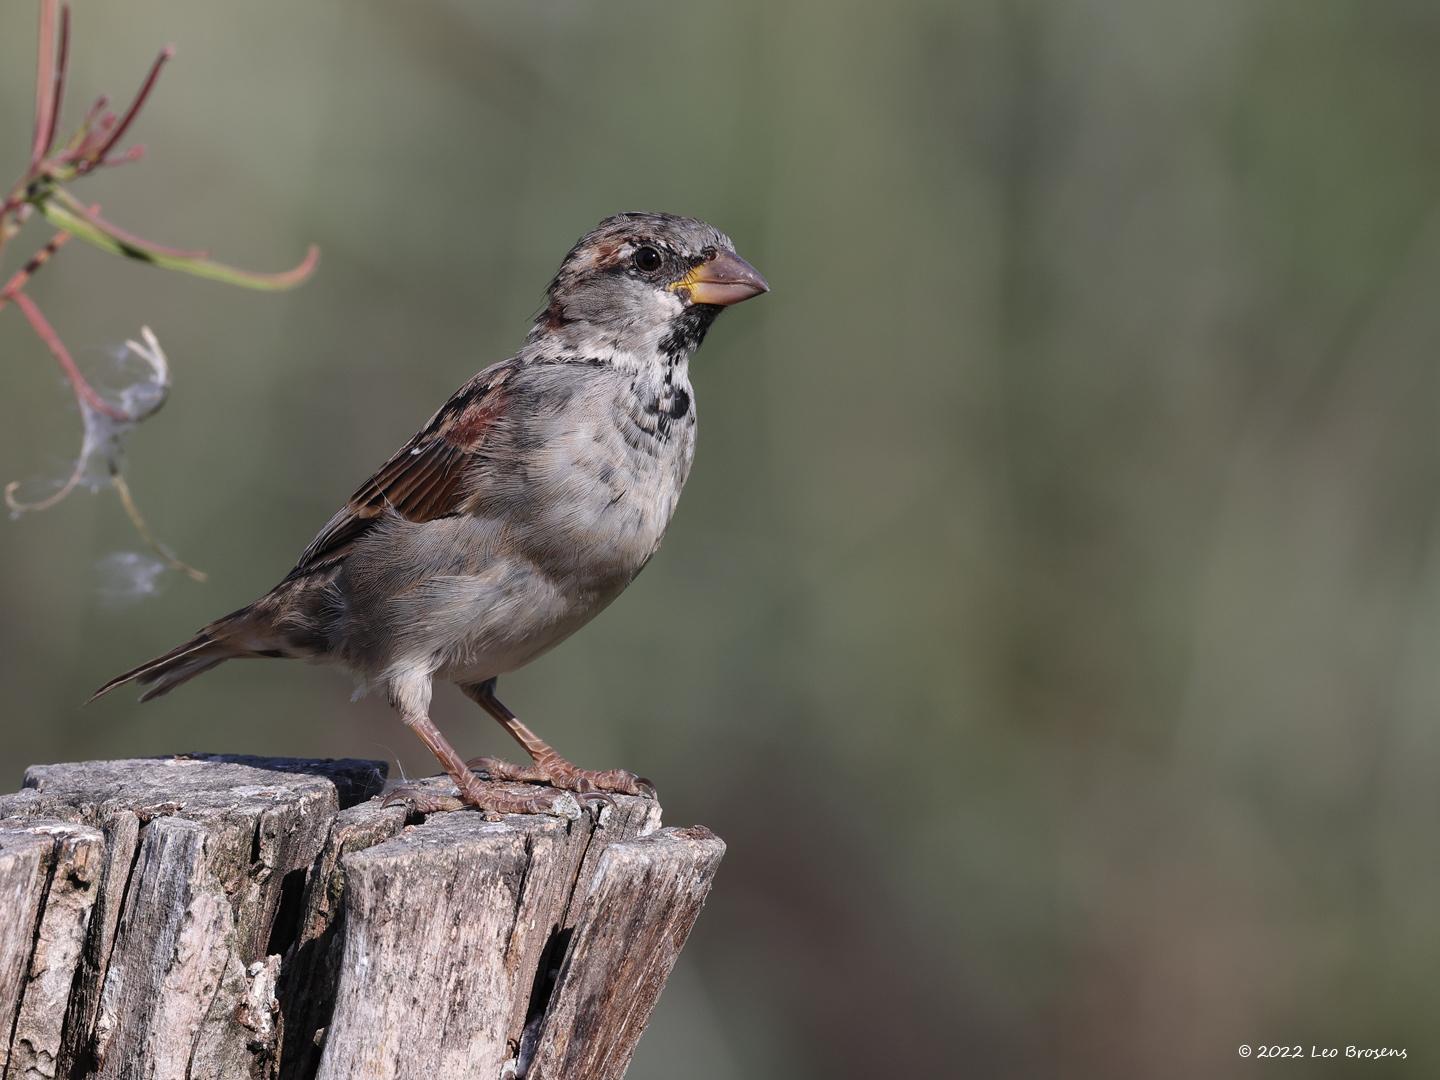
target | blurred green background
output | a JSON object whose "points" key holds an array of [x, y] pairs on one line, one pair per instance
{"points": [[1050, 623]]}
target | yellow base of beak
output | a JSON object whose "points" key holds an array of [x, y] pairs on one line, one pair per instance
{"points": [[726, 279]]}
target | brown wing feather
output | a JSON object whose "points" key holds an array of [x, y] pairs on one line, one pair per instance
{"points": [[431, 476]]}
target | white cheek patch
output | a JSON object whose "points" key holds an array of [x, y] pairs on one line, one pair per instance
{"points": [[665, 304]]}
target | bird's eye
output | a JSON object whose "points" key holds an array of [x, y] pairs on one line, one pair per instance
{"points": [[647, 259]]}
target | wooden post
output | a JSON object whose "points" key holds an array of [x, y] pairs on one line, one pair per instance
{"points": [[210, 916]]}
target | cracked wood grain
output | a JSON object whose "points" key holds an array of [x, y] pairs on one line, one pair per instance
{"points": [[619, 960], [72, 857], [193, 866], [211, 916]]}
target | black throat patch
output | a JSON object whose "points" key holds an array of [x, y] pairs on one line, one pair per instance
{"points": [[687, 330], [671, 404]]}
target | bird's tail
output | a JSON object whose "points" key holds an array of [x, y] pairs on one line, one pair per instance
{"points": [[241, 633]]}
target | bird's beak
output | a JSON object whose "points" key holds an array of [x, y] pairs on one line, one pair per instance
{"points": [[722, 280]]}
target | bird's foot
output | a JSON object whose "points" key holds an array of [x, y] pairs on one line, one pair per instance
{"points": [[559, 773], [491, 800]]}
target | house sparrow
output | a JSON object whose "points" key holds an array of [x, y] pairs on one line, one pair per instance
{"points": [[521, 509]]}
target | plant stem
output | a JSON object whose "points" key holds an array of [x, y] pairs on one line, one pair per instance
{"points": [[46, 333], [133, 513], [26, 272]]}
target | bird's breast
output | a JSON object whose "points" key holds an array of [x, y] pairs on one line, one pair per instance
{"points": [[609, 477]]}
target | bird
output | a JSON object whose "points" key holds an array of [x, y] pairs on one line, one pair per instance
{"points": [[519, 511]]}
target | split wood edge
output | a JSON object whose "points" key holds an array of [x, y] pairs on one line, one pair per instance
{"points": [[268, 919]]}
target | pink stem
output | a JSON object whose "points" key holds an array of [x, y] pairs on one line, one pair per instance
{"points": [[83, 390], [135, 153], [95, 111], [26, 272], [136, 105], [62, 67], [44, 83]]}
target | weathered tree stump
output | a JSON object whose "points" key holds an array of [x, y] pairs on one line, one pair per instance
{"points": [[230, 917]]}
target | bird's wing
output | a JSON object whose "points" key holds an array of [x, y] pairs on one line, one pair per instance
{"points": [[431, 476]]}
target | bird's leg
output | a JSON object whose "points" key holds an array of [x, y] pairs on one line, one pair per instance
{"points": [[549, 768], [413, 709]]}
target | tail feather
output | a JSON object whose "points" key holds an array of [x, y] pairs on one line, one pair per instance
{"points": [[241, 633], [164, 673], [257, 629]]}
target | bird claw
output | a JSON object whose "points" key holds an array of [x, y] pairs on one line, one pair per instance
{"points": [[419, 801], [493, 803], [618, 781], [567, 777], [596, 803]]}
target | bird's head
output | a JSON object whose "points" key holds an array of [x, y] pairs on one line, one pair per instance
{"points": [[645, 284]]}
